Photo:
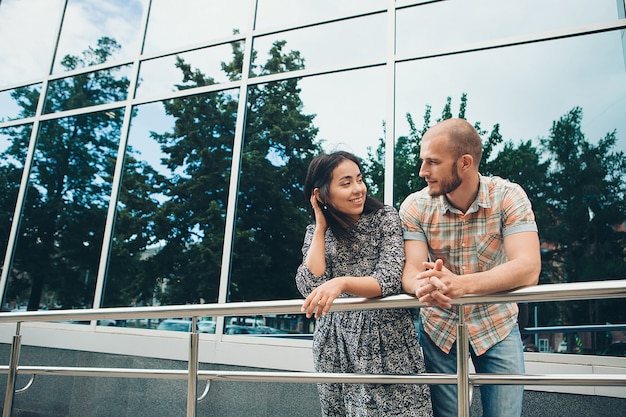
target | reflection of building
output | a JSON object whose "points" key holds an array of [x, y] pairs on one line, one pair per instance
{"points": [[365, 66]]}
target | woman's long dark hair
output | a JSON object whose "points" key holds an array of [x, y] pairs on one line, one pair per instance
{"points": [[319, 175]]}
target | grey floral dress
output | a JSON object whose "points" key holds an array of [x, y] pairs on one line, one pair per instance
{"points": [[366, 341]]}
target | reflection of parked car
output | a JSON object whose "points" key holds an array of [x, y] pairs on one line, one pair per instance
{"points": [[184, 325], [268, 330], [206, 326], [616, 349], [176, 325], [237, 329]]}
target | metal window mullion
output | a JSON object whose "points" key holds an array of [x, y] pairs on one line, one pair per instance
{"points": [[119, 167], [390, 124], [231, 208]]}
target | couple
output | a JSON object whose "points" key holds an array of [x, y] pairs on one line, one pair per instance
{"points": [[462, 234]]}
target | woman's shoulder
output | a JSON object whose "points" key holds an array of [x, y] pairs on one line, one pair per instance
{"points": [[384, 210], [384, 214]]}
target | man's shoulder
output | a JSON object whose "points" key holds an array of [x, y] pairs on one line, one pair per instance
{"points": [[499, 187], [420, 196]]}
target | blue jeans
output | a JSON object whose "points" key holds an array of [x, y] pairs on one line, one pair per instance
{"points": [[506, 357]]}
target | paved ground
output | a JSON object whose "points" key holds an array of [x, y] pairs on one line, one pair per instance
{"points": [[550, 404]]}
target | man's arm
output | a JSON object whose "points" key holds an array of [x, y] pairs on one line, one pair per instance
{"points": [[522, 269]]}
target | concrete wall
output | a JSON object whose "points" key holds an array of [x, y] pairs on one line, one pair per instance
{"points": [[65, 396]]}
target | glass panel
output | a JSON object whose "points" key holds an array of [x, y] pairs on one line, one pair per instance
{"points": [[189, 22], [335, 44], [282, 136], [512, 91], [62, 225], [90, 89], [19, 103], [13, 148], [25, 56], [169, 229], [575, 99], [271, 13], [163, 75], [112, 28], [421, 28], [349, 109]]}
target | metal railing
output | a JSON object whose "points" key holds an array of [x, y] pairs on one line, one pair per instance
{"points": [[463, 379]]}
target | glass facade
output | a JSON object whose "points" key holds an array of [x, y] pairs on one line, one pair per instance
{"points": [[153, 152]]}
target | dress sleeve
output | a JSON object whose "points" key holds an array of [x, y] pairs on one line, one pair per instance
{"points": [[306, 281], [391, 259]]}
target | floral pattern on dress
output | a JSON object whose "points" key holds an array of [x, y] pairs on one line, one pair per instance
{"points": [[367, 341]]}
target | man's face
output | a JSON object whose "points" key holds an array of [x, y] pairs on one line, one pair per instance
{"points": [[439, 167]]}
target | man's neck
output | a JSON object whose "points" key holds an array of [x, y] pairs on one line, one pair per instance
{"points": [[463, 197]]}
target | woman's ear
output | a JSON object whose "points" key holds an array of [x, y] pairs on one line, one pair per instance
{"points": [[316, 193]]}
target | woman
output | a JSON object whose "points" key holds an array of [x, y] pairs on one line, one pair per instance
{"points": [[355, 248]]}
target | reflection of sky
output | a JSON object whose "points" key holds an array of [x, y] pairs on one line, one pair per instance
{"points": [[27, 33], [90, 20], [523, 88], [159, 76], [9, 108], [149, 117], [349, 108]]}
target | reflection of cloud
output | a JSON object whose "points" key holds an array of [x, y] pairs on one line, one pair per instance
{"points": [[158, 76], [349, 108], [86, 22], [27, 34], [524, 88], [172, 25]]}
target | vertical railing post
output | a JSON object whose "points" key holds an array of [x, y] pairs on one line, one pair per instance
{"points": [[192, 377], [462, 363], [14, 359]]}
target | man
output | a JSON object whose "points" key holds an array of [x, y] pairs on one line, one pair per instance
{"points": [[468, 234]]}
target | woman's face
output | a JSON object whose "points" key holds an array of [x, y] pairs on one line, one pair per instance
{"points": [[347, 189]]}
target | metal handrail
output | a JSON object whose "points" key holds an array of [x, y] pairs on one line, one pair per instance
{"points": [[539, 293], [464, 380]]}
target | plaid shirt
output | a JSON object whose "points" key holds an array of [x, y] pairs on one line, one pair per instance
{"points": [[469, 243]]}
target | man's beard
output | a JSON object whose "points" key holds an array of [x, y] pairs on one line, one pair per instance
{"points": [[447, 185]]}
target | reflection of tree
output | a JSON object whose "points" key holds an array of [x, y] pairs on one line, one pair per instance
{"points": [[70, 183], [130, 276], [578, 192], [190, 224], [10, 176], [279, 144], [585, 197]]}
